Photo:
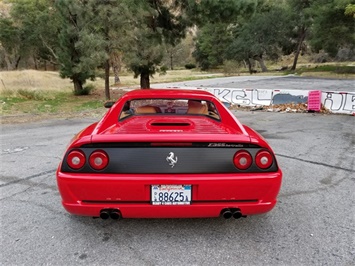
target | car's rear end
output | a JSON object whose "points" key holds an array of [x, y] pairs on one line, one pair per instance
{"points": [[169, 167]]}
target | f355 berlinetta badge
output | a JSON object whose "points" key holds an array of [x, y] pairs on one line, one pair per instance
{"points": [[172, 159]]}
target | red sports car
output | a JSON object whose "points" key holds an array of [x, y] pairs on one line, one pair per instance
{"points": [[168, 154]]}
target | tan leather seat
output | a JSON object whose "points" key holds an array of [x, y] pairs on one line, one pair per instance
{"points": [[195, 107], [146, 110]]}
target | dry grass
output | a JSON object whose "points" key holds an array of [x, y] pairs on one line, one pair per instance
{"points": [[31, 95], [12, 81], [32, 80]]}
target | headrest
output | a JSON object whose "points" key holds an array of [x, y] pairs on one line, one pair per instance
{"points": [[146, 110], [195, 107]]}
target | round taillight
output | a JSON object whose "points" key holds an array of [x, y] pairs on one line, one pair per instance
{"points": [[98, 160], [76, 159], [242, 160], [263, 159]]}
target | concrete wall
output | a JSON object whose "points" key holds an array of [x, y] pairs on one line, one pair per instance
{"points": [[335, 101]]}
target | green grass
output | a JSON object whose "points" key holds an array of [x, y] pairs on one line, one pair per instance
{"points": [[93, 104], [333, 69], [50, 102], [8, 102]]}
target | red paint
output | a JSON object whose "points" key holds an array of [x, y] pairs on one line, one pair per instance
{"points": [[88, 193]]}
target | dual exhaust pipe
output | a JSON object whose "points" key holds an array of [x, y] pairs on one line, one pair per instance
{"points": [[113, 213], [232, 212]]}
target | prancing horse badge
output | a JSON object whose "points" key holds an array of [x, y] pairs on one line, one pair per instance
{"points": [[172, 159]]}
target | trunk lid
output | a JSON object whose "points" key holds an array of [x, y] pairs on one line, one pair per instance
{"points": [[182, 129]]}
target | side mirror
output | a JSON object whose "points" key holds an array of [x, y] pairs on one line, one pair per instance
{"points": [[108, 104]]}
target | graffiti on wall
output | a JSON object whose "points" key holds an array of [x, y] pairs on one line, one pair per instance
{"points": [[335, 101], [339, 102]]}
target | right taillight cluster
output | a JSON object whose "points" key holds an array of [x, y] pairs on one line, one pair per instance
{"points": [[98, 159], [243, 159]]}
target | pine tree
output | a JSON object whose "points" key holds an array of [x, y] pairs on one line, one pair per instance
{"points": [[80, 49], [158, 23]]}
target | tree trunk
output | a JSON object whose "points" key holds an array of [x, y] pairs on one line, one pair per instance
{"points": [[145, 82], [17, 62], [35, 62], [261, 62], [245, 64], [116, 64], [8, 63], [11, 61], [171, 61], [107, 79], [115, 73], [249, 66], [299, 46], [78, 86]]}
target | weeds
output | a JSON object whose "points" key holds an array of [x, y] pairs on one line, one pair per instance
{"points": [[31, 94]]}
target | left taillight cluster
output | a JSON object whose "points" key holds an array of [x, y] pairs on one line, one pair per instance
{"points": [[98, 159], [243, 159]]}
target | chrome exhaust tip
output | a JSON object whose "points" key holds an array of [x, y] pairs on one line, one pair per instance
{"points": [[226, 213], [104, 214], [237, 214], [115, 214]]}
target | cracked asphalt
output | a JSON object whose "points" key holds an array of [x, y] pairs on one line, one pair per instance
{"points": [[313, 222]]}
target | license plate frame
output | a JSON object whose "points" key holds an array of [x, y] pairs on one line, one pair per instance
{"points": [[170, 194]]}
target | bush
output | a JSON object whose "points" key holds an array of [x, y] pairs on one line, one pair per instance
{"points": [[230, 68], [345, 54], [85, 91], [190, 66], [321, 57], [163, 70]]}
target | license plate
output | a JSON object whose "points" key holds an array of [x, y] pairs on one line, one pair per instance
{"points": [[171, 194]]}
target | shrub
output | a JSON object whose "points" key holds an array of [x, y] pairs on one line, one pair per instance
{"points": [[230, 68], [321, 57], [345, 54], [163, 70], [85, 91], [190, 66]]}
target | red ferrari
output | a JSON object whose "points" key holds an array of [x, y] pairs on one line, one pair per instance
{"points": [[168, 154]]}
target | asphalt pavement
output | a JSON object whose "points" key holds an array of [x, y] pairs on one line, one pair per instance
{"points": [[290, 82], [312, 224]]}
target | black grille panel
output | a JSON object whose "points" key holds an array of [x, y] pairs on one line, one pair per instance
{"points": [[169, 160]]}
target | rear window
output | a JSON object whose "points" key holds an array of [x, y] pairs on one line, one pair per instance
{"points": [[169, 107]]}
